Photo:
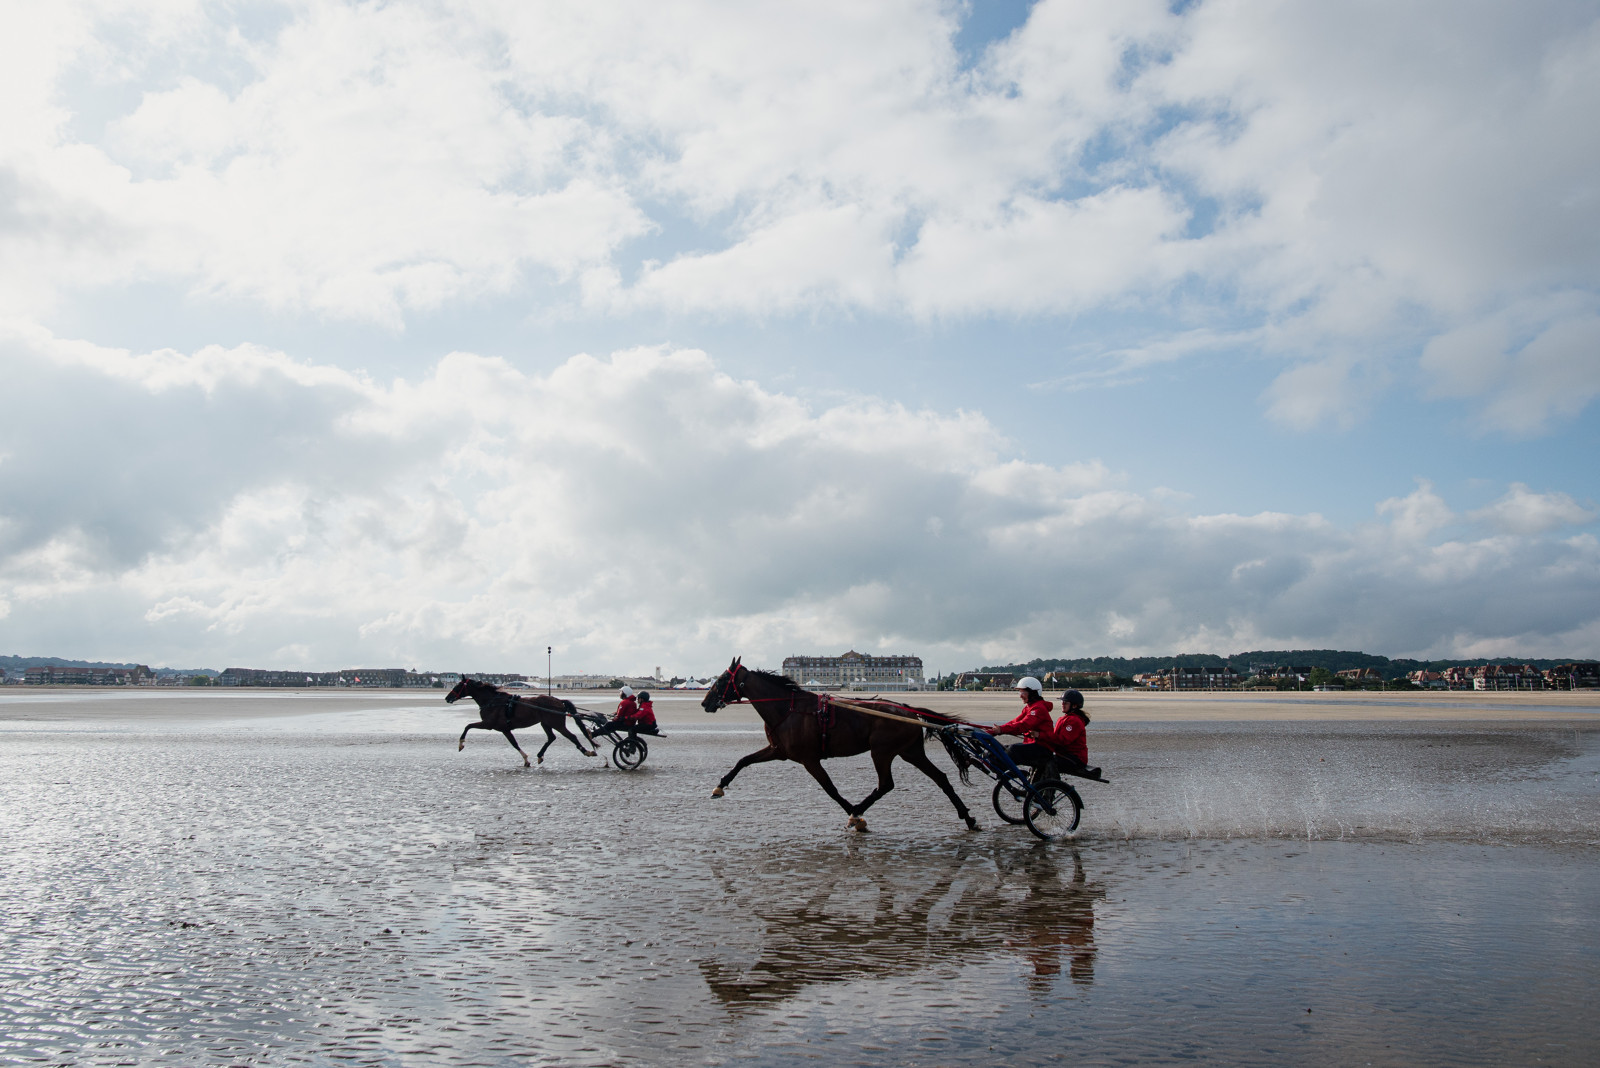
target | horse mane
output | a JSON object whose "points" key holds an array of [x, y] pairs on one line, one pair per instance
{"points": [[779, 680]]}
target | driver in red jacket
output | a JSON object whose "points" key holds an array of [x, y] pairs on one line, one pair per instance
{"points": [[1032, 726]]}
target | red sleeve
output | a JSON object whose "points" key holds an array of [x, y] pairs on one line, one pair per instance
{"points": [[1035, 719], [1070, 738]]}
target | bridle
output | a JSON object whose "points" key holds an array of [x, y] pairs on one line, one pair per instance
{"points": [[731, 686]]}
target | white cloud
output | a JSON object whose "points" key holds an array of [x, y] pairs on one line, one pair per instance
{"points": [[232, 505], [1331, 181], [1418, 514], [1522, 511], [1532, 364], [367, 162]]}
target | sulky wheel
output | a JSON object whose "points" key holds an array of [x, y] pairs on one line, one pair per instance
{"points": [[1064, 808], [1008, 800], [630, 753]]}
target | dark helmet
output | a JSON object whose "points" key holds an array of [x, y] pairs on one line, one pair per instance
{"points": [[1072, 699], [644, 695]]}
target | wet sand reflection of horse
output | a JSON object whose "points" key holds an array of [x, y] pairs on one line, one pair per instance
{"points": [[507, 712], [893, 926]]}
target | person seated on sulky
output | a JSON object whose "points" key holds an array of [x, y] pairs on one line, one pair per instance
{"points": [[627, 711], [1033, 726], [1068, 739], [644, 715]]}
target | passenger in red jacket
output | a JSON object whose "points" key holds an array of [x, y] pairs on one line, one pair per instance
{"points": [[1032, 726], [633, 714], [626, 715], [645, 718], [1069, 740]]}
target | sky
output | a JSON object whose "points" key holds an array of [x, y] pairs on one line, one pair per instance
{"points": [[432, 335]]}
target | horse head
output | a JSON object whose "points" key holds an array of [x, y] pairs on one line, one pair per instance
{"points": [[462, 689], [725, 691]]}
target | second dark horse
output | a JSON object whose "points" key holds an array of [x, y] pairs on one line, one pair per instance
{"points": [[507, 712], [801, 728]]}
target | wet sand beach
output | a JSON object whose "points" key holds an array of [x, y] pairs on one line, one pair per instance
{"points": [[234, 877]]}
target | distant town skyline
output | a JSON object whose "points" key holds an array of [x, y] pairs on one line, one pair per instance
{"points": [[418, 334]]}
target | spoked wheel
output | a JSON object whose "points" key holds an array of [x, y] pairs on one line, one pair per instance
{"points": [[1008, 795], [1060, 818], [630, 753]]}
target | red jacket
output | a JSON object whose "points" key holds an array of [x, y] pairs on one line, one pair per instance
{"points": [[1070, 737], [646, 716], [1034, 721], [627, 708]]}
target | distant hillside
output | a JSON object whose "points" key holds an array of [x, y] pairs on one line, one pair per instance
{"points": [[1332, 659], [22, 663]]}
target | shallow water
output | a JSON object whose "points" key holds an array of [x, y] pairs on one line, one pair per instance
{"points": [[345, 890]]}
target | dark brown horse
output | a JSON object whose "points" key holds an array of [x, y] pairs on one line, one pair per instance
{"points": [[507, 712], [801, 728]]}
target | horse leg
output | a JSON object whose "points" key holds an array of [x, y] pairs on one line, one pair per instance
{"points": [[480, 725], [583, 730], [512, 739], [881, 759], [760, 756], [918, 759], [561, 725], [819, 773], [549, 740]]}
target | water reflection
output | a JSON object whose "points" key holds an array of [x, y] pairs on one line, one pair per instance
{"points": [[832, 918]]}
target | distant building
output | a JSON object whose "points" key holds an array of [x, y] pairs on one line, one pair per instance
{"points": [[1278, 674], [856, 671], [1573, 677], [986, 680], [513, 680], [1067, 680], [238, 676], [1507, 677], [52, 675], [363, 677], [1191, 679], [1362, 676]]}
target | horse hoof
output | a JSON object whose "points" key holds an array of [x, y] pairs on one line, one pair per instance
{"points": [[972, 824], [860, 825], [541, 760], [717, 792], [460, 747]]}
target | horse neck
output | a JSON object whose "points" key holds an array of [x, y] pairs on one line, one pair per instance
{"points": [[773, 703], [486, 698]]}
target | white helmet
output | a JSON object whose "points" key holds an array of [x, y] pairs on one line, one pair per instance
{"points": [[1028, 682], [627, 691]]}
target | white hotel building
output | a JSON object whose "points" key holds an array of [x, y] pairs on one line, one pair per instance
{"points": [[856, 671]]}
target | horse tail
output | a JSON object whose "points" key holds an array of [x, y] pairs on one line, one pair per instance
{"points": [[959, 755], [583, 728]]}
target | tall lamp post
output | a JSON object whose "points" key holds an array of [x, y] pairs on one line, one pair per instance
{"points": [[549, 674]]}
